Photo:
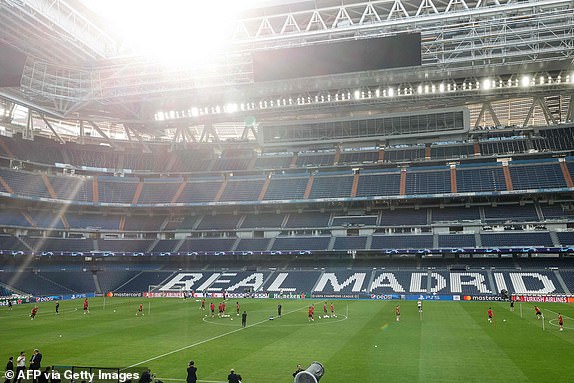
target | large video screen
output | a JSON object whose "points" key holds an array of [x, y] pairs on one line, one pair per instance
{"points": [[339, 57]]}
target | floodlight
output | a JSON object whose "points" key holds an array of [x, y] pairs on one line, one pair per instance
{"points": [[441, 87], [525, 81], [378, 92], [357, 94], [230, 108], [420, 89], [486, 84], [391, 92]]}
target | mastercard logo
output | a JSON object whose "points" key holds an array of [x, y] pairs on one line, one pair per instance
{"points": [[467, 298], [110, 294]]}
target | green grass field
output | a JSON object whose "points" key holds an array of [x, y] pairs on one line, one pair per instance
{"points": [[454, 342]]}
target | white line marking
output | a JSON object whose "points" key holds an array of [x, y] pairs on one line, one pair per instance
{"points": [[565, 316], [278, 323], [205, 341]]}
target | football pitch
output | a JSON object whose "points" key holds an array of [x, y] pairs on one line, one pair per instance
{"points": [[452, 342]]}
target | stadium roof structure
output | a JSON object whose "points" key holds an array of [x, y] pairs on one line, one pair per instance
{"points": [[79, 72]]}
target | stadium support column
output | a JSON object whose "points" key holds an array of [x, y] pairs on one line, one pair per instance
{"points": [[453, 187], [49, 187], [337, 156], [476, 149], [309, 186], [507, 178], [293, 163], [95, 190], [7, 187], [566, 173], [403, 182], [220, 191], [29, 219], [179, 191], [264, 188], [381, 155], [355, 186], [137, 193]]}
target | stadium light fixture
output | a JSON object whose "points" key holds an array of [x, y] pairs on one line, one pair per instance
{"points": [[420, 89], [486, 84], [357, 94], [525, 81], [177, 32], [391, 92], [572, 78], [231, 108], [441, 87]]}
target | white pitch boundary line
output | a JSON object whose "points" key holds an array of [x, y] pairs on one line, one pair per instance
{"points": [[565, 316], [204, 341]]}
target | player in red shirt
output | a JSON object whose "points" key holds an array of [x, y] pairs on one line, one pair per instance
{"points": [[219, 309], [398, 313], [237, 307], [560, 322], [140, 310], [324, 309], [86, 309], [311, 314], [212, 308], [538, 312], [34, 312], [332, 310], [223, 308], [490, 315], [202, 304]]}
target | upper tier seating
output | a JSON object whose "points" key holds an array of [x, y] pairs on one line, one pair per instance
{"points": [[350, 243], [302, 220], [414, 241], [159, 190], [404, 217], [243, 188], [116, 189], [253, 221], [287, 186], [479, 178], [455, 214], [196, 158], [516, 239], [378, 183], [358, 157], [253, 244], [310, 159], [359, 220], [503, 213], [428, 182], [531, 175], [301, 243], [201, 190], [332, 186]]}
